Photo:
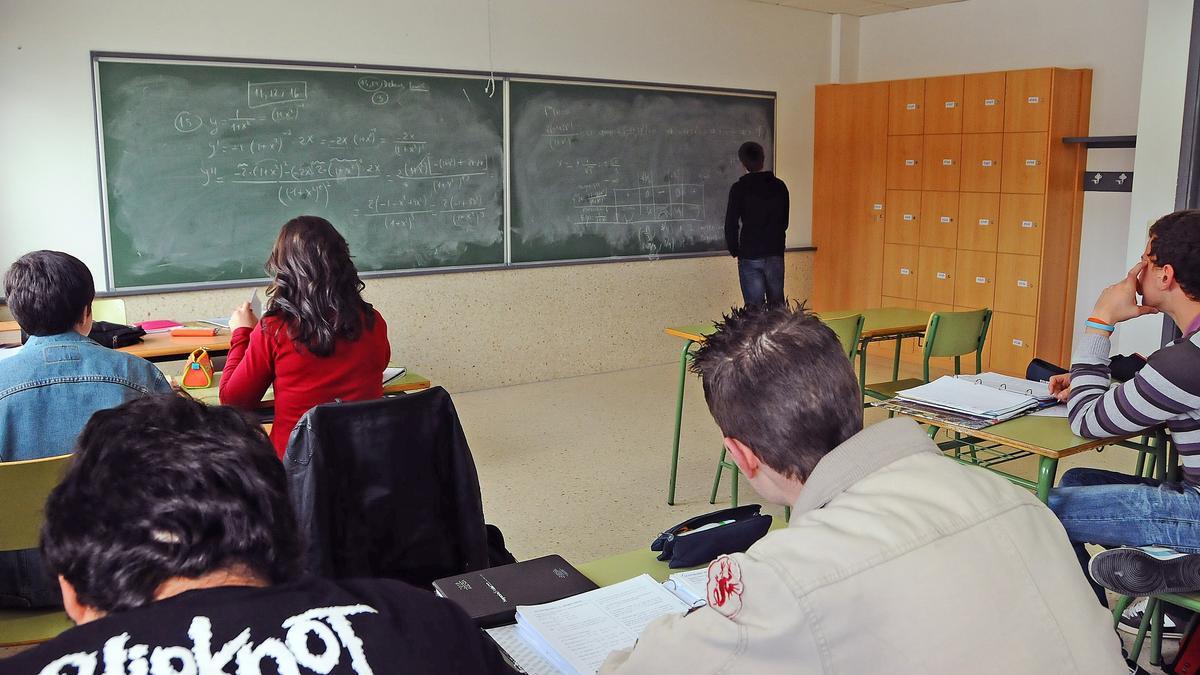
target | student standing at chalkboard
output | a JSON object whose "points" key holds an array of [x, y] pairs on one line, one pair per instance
{"points": [[317, 341], [755, 221]]}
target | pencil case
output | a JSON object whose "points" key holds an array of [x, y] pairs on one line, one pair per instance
{"points": [[194, 332], [198, 371], [699, 540]]}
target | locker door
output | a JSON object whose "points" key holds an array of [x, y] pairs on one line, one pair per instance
{"points": [[983, 103], [978, 220], [906, 107], [944, 104], [982, 159]]}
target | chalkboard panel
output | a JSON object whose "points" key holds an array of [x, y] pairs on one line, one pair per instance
{"points": [[204, 163], [601, 171]]}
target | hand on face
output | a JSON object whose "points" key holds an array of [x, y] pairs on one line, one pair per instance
{"points": [[1119, 301]]}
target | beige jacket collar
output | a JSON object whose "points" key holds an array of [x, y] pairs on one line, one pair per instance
{"points": [[859, 456]]}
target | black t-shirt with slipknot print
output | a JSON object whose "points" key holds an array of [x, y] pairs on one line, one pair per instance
{"points": [[350, 627]]}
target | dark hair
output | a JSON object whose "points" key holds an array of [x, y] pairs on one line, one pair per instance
{"points": [[315, 285], [1175, 241], [162, 487], [48, 291], [752, 156], [777, 379]]}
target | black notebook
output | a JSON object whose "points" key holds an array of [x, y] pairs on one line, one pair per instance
{"points": [[491, 596]]}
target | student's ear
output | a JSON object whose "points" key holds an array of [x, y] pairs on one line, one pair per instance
{"points": [[1166, 277], [79, 612], [745, 459]]}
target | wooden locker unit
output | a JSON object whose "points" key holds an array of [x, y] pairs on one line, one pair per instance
{"points": [[939, 219], [906, 107], [900, 270], [902, 222], [978, 220], [1027, 105], [1010, 192], [943, 105], [1024, 164], [975, 282], [904, 162], [936, 275], [983, 103], [943, 160], [849, 192], [1017, 283], [1021, 221], [982, 159]]}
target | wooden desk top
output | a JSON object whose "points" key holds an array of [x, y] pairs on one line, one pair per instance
{"points": [[878, 322], [9, 326], [160, 345], [409, 381]]}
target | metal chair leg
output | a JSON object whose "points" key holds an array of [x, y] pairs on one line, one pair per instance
{"points": [[712, 498], [1136, 651]]}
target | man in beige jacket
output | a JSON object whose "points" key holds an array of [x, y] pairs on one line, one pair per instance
{"points": [[896, 560]]}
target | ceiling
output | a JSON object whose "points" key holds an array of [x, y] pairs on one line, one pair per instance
{"points": [[856, 7]]}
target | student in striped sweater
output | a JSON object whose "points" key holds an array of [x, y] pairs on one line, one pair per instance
{"points": [[1114, 509]]}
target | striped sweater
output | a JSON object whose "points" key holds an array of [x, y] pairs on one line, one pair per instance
{"points": [[1166, 389]]}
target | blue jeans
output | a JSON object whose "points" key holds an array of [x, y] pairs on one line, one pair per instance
{"points": [[1108, 508], [761, 280]]}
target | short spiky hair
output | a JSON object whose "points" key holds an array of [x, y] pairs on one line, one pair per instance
{"points": [[752, 156], [776, 379]]}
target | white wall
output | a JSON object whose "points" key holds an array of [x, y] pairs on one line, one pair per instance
{"points": [[49, 197], [1107, 36], [1156, 170]]}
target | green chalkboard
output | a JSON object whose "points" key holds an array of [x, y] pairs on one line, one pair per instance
{"points": [[203, 163], [601, 171]]}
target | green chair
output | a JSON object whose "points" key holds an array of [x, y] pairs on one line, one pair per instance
{"points": [[25, 486], [949, 334], [109, 309], [848, 330]]}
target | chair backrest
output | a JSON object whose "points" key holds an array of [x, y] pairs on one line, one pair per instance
{"points": [[25, 486], [387, 488], [848, 330], [109, 309], [956, 334]]}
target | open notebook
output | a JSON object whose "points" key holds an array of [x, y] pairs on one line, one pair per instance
{"points": [[575, 635]]}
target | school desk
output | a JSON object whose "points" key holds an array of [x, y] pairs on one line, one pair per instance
{"points": [[409, 381], [880, 323], [1047, 438], [159, 347]]}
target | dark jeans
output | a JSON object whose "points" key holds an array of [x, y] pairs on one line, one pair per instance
{"points": [[761, 280], [1108, 508]]}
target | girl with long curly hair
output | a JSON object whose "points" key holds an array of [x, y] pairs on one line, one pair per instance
{"points": [[318, 340]]}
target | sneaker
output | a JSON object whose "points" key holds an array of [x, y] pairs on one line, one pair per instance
{"points": [[1131, 621], [1148, 570]]}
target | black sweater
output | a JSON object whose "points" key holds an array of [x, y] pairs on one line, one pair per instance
{"points": [[758, 206]]}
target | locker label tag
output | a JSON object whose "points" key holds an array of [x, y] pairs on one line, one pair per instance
{"points": [[981, 280], [877, 207], [1031, 162], [909, 217], [987, 162], [947, 162], [1033, 99], [1018, 342], [910, 162], [911, 106], [989, 101], [1028, 224], [904, 272], [984, 222], [1021, 283], [943, 276], [951, 104]]}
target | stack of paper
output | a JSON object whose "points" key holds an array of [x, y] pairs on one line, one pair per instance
{"points": [[577, 634], [965, 397]]}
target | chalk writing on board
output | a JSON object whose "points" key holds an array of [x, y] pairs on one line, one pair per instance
{"points": [[417, 182]]}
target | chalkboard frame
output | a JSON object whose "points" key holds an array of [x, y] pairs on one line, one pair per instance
{"points": [[501, 78]]}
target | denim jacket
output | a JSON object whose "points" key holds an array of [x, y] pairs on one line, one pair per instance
{"points": [[51, 388]]}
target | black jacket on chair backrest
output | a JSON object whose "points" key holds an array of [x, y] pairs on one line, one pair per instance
{"points": [[387, 488]]}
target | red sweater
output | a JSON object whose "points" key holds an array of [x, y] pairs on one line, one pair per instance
{"points": [[265, 355]]}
